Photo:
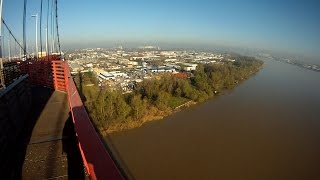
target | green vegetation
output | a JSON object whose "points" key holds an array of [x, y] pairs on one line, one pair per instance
{"points": [[154, 99], [177, 101]]}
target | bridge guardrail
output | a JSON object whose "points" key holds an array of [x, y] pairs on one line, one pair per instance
{"points": [[96, 158], [15, 104], [55, 73]]}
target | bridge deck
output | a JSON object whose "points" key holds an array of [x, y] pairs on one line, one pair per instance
{"points": [[52, 150]]}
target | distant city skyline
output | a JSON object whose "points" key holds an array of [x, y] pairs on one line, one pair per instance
{"points": [[283, 25]]}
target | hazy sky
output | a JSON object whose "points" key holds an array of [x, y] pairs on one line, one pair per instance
{"points": [[286, 25]]}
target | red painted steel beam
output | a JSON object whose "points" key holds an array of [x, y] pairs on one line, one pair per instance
{"points": [[97, 159]]}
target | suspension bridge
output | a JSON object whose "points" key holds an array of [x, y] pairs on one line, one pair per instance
{"points": [[45, 131]]}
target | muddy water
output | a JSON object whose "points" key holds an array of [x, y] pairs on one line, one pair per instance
{"points": [[267, 128]]}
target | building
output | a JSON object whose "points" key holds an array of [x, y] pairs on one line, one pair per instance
{"points": [[76, 68], [170, 60], [163, 69], [118, 74], [106, 76], [173, 66], [189, 66]]}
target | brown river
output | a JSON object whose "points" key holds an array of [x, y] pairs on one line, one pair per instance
{"points": [[266, 128]]}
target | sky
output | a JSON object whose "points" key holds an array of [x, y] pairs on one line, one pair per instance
{"points": [[280, 25]]}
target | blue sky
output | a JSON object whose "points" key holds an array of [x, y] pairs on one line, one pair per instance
{"points": [[282, 25]]}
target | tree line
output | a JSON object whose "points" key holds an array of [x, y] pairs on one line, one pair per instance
{"points": [[151, 97]]}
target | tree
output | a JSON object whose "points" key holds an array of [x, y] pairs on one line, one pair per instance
{"points": [[200, 80], [121, 107], [138, 106], [163, 100]]}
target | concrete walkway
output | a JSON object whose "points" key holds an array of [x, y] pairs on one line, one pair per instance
{"points": [[52, 152]]}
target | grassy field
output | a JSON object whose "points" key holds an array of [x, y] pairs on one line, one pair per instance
{"points": [[177, 101]]}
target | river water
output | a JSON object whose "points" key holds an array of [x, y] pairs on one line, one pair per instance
{"points": [[267, 128]]}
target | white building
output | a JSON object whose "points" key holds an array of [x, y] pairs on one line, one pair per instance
{"points": [[118, 74], [170, 60], [90, 65], [163, 69], [76, 67], [106, 76], [189, 66], [173, 66]]}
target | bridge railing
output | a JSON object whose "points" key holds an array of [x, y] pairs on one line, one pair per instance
{"points": [[9, 73], [60, 75], [54, 73], [15, 105], [96, 158], [48, 72]]}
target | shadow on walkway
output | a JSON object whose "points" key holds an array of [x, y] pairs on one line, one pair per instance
{"points": [[46, 145], [70, 147]]}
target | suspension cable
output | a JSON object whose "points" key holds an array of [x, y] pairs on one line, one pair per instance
{"points": [[56, 3], [47, 30], [41, 28], [52, 26], [2, 42], [47, 34], [24, 29], [15, 39]]}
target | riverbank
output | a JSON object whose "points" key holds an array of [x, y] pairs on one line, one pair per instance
{"points": [[147, 118], [154, 99], [259, 126]]}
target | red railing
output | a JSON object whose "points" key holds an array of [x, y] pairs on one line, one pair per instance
{"points": [[44, 71], [55, 73], [59, 69], [97, 160]]}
